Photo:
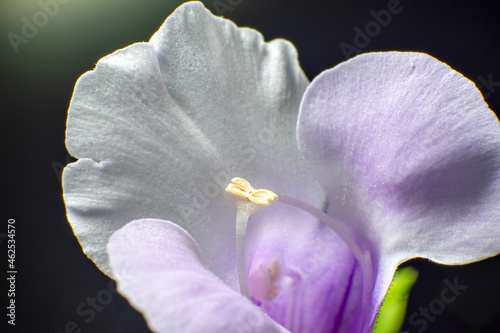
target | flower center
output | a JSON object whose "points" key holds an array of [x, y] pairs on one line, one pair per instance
{"points": [[266, 280]]}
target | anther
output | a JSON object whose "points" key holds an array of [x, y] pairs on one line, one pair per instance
{"points": [[242, 188]]}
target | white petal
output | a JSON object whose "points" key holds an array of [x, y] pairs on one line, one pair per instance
{"points": [[160, 128]]}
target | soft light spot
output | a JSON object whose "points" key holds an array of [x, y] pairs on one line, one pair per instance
{"points": [[265, 279]]}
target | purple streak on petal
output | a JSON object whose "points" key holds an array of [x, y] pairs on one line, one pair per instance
{"points": [[340, 313], [359, 247], [159, 269]]}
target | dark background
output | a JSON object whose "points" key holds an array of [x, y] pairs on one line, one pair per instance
{"points": [[54, 277]]}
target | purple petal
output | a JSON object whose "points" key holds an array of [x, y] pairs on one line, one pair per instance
{"points": [[321, 287], [409, 155], [159, 268]]}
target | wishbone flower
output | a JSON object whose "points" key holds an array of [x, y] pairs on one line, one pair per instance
{"points": [[390, 156]]}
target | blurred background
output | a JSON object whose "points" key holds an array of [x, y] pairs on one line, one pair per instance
{"points": [[43, 51]]}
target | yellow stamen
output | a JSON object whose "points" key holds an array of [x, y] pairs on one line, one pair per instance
{"points": [[248, 201], [242, 188]]}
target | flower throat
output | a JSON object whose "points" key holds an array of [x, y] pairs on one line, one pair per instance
{"points": [[265, 286]]}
